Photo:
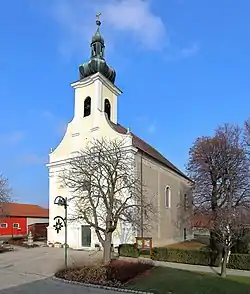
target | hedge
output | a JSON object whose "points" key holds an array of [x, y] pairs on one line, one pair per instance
{"points": [[239, 261], [188, 256], [144, 252], [128, 250]]}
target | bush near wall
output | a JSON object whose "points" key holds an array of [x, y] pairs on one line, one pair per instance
{"points": [[239, 261], [145, 253], [128, 250], [188, 256]]}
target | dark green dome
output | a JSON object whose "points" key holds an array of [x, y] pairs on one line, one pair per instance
{"points": [[97, 65], [97, 61], [97, 38]]}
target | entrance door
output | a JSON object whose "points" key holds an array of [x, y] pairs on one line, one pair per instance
{"points": [[86, 236]]}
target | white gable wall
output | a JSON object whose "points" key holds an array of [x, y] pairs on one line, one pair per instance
{"points": [[80, 131]]}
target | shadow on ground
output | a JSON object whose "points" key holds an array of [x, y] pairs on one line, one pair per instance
{"points": [[50, 286]]}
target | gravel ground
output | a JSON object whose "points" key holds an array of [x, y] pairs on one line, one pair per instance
{"points": [[24, 266]]}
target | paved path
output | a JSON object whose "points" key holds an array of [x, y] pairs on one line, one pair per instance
{"points": [[27, 265], [49, 286], [203, 269], [193, 268]]}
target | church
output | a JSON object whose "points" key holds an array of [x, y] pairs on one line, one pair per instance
{"points": [[95, 116]]}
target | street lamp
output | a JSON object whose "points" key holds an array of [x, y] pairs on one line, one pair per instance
{"points": [[62, 222]]}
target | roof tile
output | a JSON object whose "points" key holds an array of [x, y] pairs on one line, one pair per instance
{"points": [[24, 210], [149, 150]]}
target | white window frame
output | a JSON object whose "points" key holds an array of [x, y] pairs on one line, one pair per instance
{"points": [[14, 227], [167, 188], [6, 225]]}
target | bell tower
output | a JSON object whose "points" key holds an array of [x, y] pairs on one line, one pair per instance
{"points": [[95, 91]]}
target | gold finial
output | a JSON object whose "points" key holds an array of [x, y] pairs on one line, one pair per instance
{"points": [[98, 22]]}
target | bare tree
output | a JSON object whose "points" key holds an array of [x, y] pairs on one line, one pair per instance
{"points": [[247, 135], [105, 189], [219, 166], [228, 225], [5, 194]]}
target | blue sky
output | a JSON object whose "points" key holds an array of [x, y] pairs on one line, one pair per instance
{"points": [[183, 66]]}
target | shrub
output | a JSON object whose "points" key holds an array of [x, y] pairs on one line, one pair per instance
{"points": [[186, 256], [116, 273], [242, 245], [144, 252], [239, 261], [128, 250], [95, 274], [16, 241], [123, 271]]}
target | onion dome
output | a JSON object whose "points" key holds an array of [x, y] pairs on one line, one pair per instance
{"points": [[97, 62]]}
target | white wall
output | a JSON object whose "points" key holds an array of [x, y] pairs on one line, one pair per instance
{"points": [[80, 131], [33, 220]]}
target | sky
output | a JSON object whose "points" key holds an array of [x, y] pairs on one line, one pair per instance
{"points": [[183, 67]]}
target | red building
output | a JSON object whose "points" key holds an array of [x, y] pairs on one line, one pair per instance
{"points": [[17, 219]]}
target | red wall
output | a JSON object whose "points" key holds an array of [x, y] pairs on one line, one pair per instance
{"points": [[10, 231]]}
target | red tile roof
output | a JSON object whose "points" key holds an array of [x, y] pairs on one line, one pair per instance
{"points": [[24, 210], [149, 150], [202, 220]]}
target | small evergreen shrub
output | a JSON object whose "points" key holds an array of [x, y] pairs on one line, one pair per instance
{"points": [[128, 250]]}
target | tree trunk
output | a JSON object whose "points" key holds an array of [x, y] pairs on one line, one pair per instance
{"points": [[213, 242], [224, 264], [107, 248]]}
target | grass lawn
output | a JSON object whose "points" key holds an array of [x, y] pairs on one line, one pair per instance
{"points": [[192, 244], [167, 280]]}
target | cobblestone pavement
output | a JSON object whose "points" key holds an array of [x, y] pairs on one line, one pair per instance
{"points": [[50, 286], [28, 265]]}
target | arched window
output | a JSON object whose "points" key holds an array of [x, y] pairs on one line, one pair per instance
{"points": [[167, 197], [185, 234], [87, 106], [107, 108]]}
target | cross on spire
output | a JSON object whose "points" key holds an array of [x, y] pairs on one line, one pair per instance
{"points": [[98, 15], [98, 22]]}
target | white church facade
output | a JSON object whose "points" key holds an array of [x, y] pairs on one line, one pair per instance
{"points": [[95, 116]]}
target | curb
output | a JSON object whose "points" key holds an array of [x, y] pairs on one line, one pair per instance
{"points": [[99, 286]]}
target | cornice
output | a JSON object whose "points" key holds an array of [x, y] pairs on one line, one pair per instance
{"points": [[91, 79]]}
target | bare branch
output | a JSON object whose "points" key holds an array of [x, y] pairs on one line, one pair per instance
{"points": [[219, 166], [5, 194], [105, 187]]}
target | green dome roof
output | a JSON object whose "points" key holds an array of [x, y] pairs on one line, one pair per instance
{"points": [[97, 38], [96, 65], [97, 61]]}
